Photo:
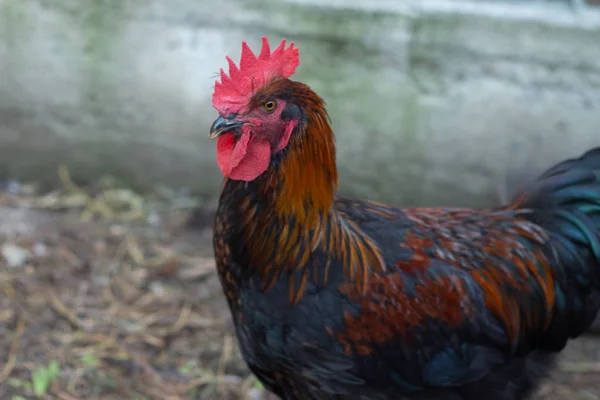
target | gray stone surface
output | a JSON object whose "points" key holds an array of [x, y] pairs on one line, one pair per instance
{"points": [[433, 102]]}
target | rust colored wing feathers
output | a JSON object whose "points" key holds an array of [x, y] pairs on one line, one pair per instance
{"points": [[456, 262]]}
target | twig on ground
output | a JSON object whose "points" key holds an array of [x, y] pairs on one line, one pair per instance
{"points": [[14, 348]]}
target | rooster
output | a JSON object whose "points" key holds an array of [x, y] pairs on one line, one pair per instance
{"points": [[336, 298]]}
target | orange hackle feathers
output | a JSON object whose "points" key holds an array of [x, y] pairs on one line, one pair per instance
{"points": [[301, 193], [308, 174]]}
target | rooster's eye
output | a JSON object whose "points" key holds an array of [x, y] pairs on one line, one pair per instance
{"points": [[269, 105]]}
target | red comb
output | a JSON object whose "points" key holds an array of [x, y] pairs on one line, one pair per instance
{"points": [[234, 91]]}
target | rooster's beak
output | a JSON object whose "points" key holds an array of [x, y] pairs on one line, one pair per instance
{"points": [[223, 125]]}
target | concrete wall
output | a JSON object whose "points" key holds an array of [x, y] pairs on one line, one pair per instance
{"points": [[433, 102]]}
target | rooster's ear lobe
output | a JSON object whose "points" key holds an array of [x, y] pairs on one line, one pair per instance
{"points": [[291, 112]]}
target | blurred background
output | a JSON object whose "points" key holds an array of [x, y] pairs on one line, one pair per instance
{"points": [[108, 179]]}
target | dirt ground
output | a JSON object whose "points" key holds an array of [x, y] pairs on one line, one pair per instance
{"points": [[133, 310]]}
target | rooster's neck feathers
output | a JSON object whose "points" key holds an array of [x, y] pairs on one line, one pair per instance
{"points": [[289, 213], [306, 178]]}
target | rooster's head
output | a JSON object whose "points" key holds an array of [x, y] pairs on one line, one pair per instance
{"points": [[260, 110]]}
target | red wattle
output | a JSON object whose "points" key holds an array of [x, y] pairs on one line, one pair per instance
{"points": [[244, 159]]}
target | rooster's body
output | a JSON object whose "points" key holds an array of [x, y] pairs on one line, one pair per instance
{"points": [[343, 299]]}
